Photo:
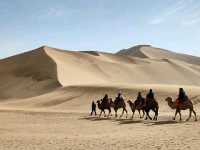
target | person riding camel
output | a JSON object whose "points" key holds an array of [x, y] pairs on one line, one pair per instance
{"points": [[182, 97], [105, 100], [140, 101], [119, 97], [150, 95]]}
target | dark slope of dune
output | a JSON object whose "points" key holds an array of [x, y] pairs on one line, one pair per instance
{"points": [[28, 74]]}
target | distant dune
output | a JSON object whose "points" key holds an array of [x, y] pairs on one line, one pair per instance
{"points": [[147, 51], [40, 76]]}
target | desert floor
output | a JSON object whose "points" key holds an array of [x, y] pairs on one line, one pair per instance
{"points": [[47, 130]]}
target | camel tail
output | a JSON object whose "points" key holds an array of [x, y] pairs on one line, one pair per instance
{"points": [[157, 104]]}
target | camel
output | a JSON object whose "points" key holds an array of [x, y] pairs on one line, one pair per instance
{"points": [[186, 105], [118, 104], [134, 106], [151, 104], [103, 107]]}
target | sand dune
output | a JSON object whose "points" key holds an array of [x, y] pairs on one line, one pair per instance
{"points": [[106, 68], [27, 75], [147, 51], [45, 69]]}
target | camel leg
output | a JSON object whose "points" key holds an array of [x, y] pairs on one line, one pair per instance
{"points": [[104, 113], [190, 114], [180, 115], [148, 116], [100, 113], [156, 114], [154, 118], [174, 118], [157, 111], [133, 113], [195, 115], [115, 113], [126, 113], [109, 112], [122, 113], [141, 116], [139, 113], [143, 113]]}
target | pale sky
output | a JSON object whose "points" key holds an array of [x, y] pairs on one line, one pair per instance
{"points": [[104, 25]]}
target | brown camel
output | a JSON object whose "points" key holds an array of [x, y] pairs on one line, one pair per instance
{"points": [[151, 104], [186, 105], [118, 104], [134, 106], [103, 106]]}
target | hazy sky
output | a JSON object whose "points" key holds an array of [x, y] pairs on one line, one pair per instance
{"points": [[105, 25]]}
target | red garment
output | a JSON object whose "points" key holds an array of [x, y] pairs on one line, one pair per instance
{"points": [[178, 103]]}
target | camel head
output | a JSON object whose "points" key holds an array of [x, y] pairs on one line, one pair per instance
{"points": [[170, 102], [98, 102], [129, 102], [168, 99]]}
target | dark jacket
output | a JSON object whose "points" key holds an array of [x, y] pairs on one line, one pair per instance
{"points": [[150, 95], [182, 95], [93, 106], [140, 100]]}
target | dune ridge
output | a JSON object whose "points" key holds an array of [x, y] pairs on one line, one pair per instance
{"points": [[148, 51]]}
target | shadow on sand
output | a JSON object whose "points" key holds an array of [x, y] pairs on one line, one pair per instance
{"points": [[124, 121], [165, 122], [130, 121], [121, 121], [94, 118]]}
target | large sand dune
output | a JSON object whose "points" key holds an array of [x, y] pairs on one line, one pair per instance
{"points": [[45, 69], [45, 97]]}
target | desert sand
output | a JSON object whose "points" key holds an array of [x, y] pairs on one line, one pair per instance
{"points": [[45, 97]]}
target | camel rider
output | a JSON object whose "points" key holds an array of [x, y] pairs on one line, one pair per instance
{"points": [[119, 97], [140, 101], [150, 95], [182, 97], [105, 99]]}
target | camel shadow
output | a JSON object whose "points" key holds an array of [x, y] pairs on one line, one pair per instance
{"points": [[122, 122], [94, 118], [165, 122]]}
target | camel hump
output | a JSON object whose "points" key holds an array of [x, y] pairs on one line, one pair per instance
{"points": [[188, 101]]}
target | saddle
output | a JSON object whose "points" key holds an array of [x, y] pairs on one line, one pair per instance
{"points": [[139, 103], [117, 100], [180, 103]]}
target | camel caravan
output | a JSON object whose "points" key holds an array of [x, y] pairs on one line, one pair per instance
{"points": [[144, 105]]}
